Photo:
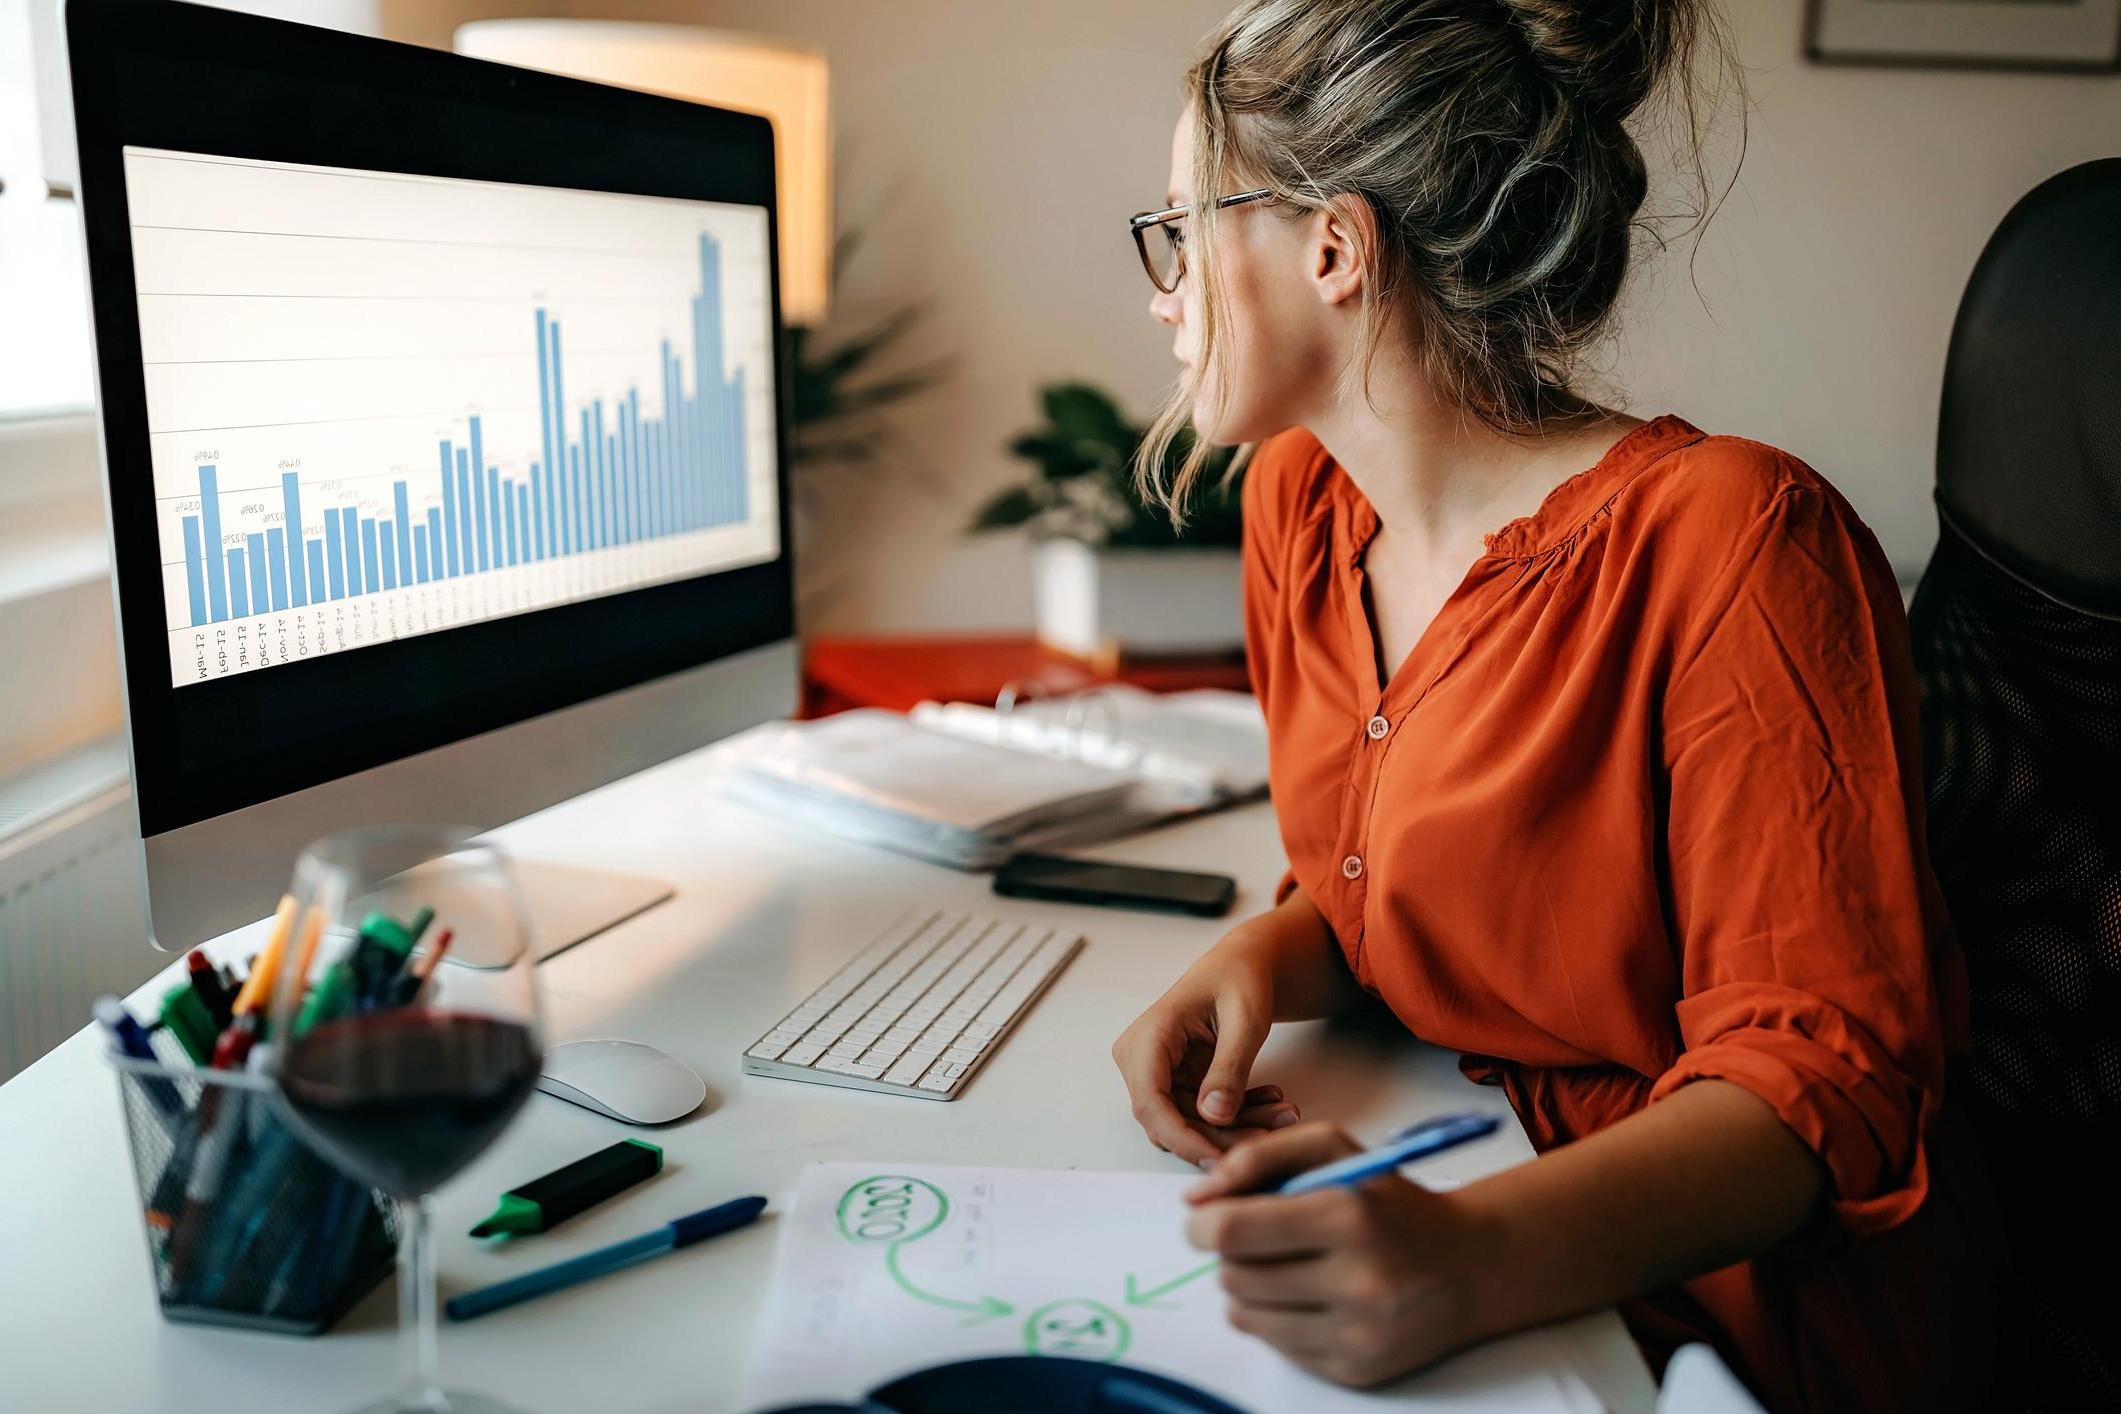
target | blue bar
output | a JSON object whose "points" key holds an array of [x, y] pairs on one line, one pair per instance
{"points": [[371, 573], [464, 515], [291, 507], [545, 426], [696, 412], [740, 461], [210, 541], [637, 459], [238, 601], [404, 523], [388, 544], [574, 498], [313, 560], [505, 502], [679, 461], [276, 564], [495, 526], [622, 445], [447, 560], [260, 586], [335, 551], [348, 527], [619, 513], [194, 572], [478, 495], [419, 554], [537, 511], [586, 509], [661, 519], [652, 470], [523, 515], [600, 449], [559, 429], [434, 543]]}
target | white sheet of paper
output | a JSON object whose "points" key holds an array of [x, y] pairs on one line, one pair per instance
{"points": [[887, 1268]]}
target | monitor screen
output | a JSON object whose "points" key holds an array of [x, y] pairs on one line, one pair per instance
{"points": [[381, 404], [437, 395]]}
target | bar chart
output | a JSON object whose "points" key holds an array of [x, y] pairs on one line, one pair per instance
{"points": [[382, 406]]}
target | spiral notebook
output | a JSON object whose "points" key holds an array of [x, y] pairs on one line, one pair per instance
{"points": [[968, 786]]}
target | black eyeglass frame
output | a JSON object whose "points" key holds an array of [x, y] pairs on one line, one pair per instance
{"points": [[1140, 225]]}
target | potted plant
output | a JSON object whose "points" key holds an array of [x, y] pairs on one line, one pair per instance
{"points": [[1112, 575]]}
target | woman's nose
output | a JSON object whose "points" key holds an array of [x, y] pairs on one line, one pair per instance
{"points": [[1166, 309]]}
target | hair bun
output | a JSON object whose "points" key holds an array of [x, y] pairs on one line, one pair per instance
{"points": [[1610, 54]]}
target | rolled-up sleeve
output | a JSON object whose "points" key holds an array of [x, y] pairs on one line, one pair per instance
{"points": [[1808, 921]]}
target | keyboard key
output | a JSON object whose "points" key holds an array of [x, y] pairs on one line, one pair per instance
{"points": [[906, 1070]]}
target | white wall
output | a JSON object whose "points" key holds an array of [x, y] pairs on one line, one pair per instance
{"points": [[1833, 273]]}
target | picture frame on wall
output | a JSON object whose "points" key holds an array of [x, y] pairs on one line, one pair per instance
{"points": [[2072, 35]]}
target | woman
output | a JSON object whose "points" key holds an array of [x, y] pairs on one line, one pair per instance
{"points": [[1592, 745]]}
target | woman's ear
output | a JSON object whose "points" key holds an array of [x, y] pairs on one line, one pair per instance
{"points": [[1341, 235]]}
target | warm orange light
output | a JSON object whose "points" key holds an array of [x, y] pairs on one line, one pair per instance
{"points": [[751, 72]]}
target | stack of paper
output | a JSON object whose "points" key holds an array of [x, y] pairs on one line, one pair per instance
{"points": [[886, 1269], [969, 786]]}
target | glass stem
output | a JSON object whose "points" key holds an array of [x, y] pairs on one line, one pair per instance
{"points": [[416, 1312]]}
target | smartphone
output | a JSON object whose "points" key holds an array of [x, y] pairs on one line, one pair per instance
{"points": [[1054, 876]]}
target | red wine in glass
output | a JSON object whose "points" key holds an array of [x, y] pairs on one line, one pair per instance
{"points": [[406, 1098]]}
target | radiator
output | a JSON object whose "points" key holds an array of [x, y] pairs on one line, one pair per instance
{"points": [[71, 921]]}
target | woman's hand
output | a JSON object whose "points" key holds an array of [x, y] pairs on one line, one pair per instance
{"points": [[1188, 1059], [1360, 1284]]}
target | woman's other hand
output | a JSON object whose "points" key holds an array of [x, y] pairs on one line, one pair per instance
{"points": [[1188, 1059], [1360, 1284]]}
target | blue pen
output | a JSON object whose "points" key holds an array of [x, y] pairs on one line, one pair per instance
{"points": [[708, 1222], [133, 1042], [1429, 1137]]}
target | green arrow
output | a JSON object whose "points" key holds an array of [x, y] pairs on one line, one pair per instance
{"points": [[1138, 1297], [984, 1309]]}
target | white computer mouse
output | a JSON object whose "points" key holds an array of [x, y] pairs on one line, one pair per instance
{"points": [[623, 1079]]}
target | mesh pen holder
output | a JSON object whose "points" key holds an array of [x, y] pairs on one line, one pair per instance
{"points": [[246, 1225]]}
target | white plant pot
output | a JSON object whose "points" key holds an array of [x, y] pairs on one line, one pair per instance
{"points": [[1098, 602]]}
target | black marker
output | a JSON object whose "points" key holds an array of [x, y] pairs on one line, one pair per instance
{"points": [[561, 1194]]}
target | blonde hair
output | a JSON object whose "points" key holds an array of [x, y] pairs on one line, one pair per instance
{"points": [[1487, 138]]}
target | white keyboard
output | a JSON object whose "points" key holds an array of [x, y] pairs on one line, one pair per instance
{"points": [[917, 1010]]}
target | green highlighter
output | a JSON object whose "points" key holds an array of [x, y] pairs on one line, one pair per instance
{"points": [[542, 1203]]}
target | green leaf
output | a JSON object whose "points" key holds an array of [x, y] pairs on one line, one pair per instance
{"points": [[1011, 507], [1082, 413], [1057, 458]]}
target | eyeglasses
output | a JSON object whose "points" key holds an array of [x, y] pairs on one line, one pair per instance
{"points": [[1163, 245]]}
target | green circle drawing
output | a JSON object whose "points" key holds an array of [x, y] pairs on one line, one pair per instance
{"points": [[1077, 1326], [887, 1208]]}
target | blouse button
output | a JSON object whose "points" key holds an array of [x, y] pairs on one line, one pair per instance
{"points": [[1377, 728], [1352, 866]]}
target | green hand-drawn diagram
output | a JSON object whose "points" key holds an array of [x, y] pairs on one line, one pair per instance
{"points": [[892, 1210]]}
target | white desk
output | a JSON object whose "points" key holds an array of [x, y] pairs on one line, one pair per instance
{"points": [[764, 912]]}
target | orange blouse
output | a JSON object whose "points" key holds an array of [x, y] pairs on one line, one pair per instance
{"points": [[1643, 806]]}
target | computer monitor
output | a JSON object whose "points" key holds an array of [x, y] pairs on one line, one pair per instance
{"points": [[444, 442]]}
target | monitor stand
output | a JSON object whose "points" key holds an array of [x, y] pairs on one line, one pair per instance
{"points": [[568, 904]]}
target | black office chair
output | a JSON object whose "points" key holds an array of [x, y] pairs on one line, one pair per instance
{"points": [[2017, 637]]}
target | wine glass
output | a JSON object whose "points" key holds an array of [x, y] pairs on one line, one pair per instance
{"points": [[397, 1067]]}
